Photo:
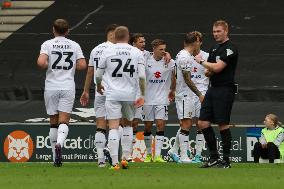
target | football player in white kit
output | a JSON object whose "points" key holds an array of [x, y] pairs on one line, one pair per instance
{"points": [[184, 100], [159, 77], [122, 65], [138, 41], [201, 81], [61, 57], [99, 104]]}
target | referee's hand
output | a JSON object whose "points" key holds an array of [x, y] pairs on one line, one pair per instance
{"points": [[201, 98]]}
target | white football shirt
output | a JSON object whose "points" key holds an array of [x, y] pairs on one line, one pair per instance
{"points": [[198, 75], [62, 55], [120, 63], [158, 81], [184, 61], [95, 57]]}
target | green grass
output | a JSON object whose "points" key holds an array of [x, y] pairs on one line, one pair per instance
{"points": [[140, 175]]}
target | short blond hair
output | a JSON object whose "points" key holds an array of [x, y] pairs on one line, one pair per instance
{"points": [[222, 23], [121, 32]]}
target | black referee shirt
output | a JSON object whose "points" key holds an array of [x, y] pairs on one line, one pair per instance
{"points": [[228, 53]]}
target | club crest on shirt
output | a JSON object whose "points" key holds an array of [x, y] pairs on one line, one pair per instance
{"points": [[229, 52], [217, 58]]}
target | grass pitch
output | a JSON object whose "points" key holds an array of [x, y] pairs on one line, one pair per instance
{"points": [[140, 175]]}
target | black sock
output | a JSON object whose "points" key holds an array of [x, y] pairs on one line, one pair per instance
{"points": [[160, 133], [184, 132], [210, 139], [101, 130], [226, 140], [147, 133]]}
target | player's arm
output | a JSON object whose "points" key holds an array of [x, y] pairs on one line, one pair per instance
{"points": [[173, 86], [100, 72], [187, 78], [81, 61], [81, 64], [84, 100], [42, 61], [142, 84], [142, 78]]}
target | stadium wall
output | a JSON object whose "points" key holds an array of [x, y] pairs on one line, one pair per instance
{"points": [[21, 142]]}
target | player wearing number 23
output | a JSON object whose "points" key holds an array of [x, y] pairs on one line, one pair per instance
{"points": [[61, 57]]}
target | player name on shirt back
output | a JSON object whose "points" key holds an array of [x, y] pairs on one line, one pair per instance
{"points": [[61, 46]]}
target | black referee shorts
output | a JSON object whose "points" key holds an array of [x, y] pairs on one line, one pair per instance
{"points": [[217, 105]]}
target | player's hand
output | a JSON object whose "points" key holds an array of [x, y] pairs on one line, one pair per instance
{"points": [[208, 73], [139, 102], [264, 145], [100, 89], [201, 98], [198, 58], [171, 96], [167, 57], [84, 100]]}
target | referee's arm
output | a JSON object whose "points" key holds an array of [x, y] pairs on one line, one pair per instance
{"points": [[212, 67]]}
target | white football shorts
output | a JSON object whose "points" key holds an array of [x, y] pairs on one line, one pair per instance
{"points": [[59, 101], [120, 109], [139, 113], [184, 108], [99, 106], [153, 112]]}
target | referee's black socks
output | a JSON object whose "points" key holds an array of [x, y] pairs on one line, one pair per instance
{"points": [[210, 139], [226, 141]]}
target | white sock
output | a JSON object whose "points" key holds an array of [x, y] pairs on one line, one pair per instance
{"points": [[126, 141], [148, 143], [199, 143], [159, 140], [62, 133], [113, 144], [183, 140], [53, 140], [100, 142], [175, 147], [133, 142], [120, 131]]}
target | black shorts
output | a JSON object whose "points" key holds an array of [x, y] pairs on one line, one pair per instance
{"points": [[217, 105]]}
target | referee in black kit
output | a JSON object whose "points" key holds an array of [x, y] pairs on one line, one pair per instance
{"points": [[217, 105]]}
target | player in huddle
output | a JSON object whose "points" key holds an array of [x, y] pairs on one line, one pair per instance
{"points": [[159, 84], [60, 57]]}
